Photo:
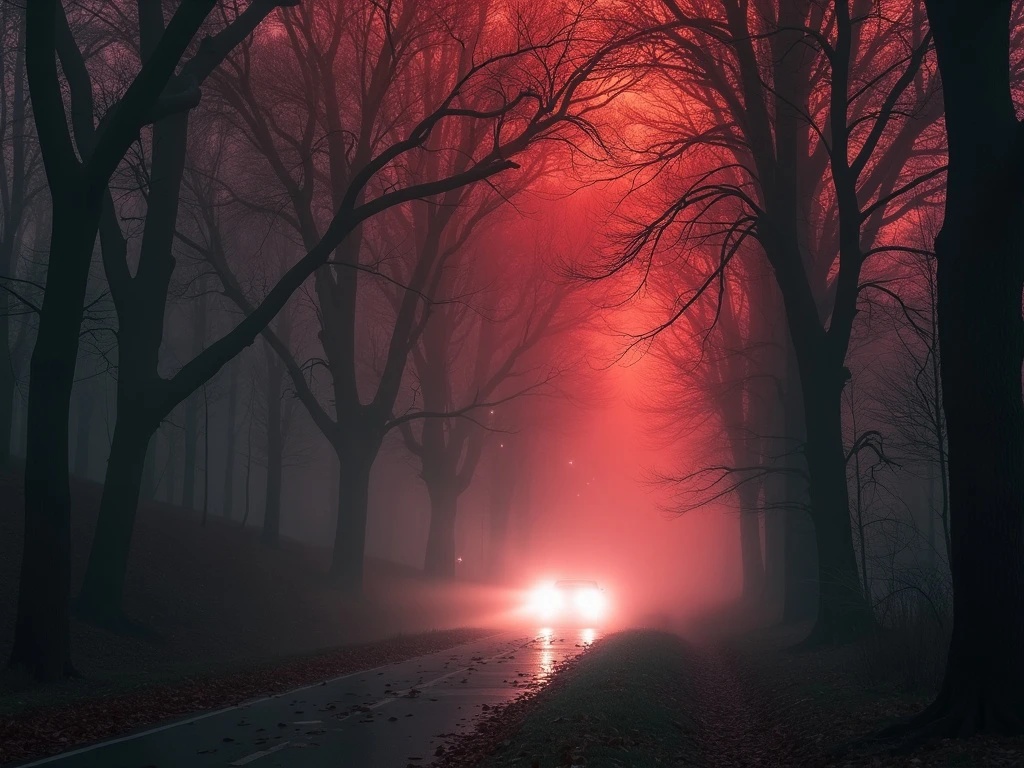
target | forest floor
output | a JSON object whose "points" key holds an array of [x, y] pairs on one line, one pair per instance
{"points": [[643, 698], [221, 618]]}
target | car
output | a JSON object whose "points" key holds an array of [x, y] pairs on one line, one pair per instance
{"points": [[569, 601]]}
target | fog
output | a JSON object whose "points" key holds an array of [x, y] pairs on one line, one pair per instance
{"points": [[592, 501], [405, 309]]}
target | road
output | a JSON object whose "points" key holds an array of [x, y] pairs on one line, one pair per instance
{"points": [[390, 717]]}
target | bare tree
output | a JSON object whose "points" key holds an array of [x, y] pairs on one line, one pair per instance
{"points": [[18, 173], [515, 117], [140, 298], [804, 127], [715, 372], [463, 136], [479, 349], [77, 184], [980, 253]]}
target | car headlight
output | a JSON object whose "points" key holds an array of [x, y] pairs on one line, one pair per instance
{"points": [[590, 603], [547, 601]]}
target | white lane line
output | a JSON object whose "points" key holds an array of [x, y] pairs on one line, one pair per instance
{"points": [[435, 681], [257, 755], [386, 700], [243, 705]]}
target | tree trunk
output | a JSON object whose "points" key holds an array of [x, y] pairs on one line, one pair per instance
{"points": [[801, 577], [229, 447], [275, 450], [932, 513], [42, 640], [843, 611], [356, 460], [103, 586], [40, 243], [980, 252], [800, 574], [101, 594], [10, 244], [982, 354], [862, 539], [439, 561], [188, 488], [779, 448]]}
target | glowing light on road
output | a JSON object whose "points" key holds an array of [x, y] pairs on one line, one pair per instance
{"points": [[547, 663]]}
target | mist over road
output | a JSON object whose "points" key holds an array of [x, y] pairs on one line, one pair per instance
{"points": [[394, 715]]}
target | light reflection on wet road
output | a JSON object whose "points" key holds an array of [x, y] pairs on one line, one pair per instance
{"points": [[397, 715]]}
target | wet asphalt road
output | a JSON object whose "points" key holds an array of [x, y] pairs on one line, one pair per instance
{"points": [[390, 717]]}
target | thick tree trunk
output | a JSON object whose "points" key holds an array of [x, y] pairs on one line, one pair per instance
{"points": [[801, 577], [980, 252], [42, 631], [274, 450], [439, 561], [779, 454], [10, 244], [843, 611], [188, 487], [356, 460], [800, 574], [103, 586], [982, 354]]}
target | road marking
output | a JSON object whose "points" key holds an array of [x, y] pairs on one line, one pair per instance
{"points": [[386, 700], [431, 683], [400, 695], [243, 705], [257, 755]]}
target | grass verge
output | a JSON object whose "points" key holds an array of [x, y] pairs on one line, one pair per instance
{"points": [[623, 703]]}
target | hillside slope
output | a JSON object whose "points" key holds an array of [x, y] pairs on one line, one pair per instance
{"points": [[214, 596]]}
